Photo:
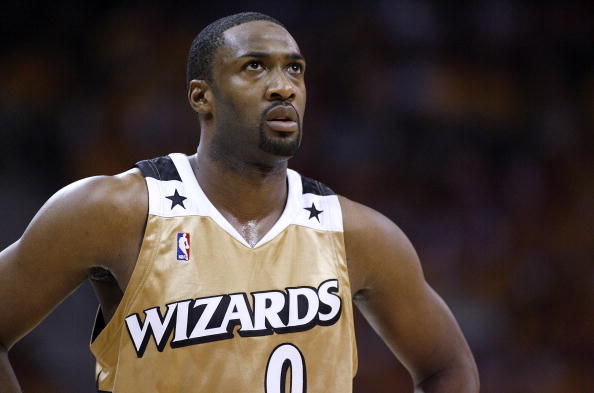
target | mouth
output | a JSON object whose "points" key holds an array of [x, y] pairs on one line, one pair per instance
{"points": [[285, 126], [283, 119]]}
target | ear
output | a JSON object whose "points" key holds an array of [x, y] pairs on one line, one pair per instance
{"points": [[200, 96]]}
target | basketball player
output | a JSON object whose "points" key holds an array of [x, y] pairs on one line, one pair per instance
{"points": [[257, 296]]}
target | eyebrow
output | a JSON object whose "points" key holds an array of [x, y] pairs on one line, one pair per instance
{"points": [[261, 55]]}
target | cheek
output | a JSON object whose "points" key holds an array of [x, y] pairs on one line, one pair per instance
{"points": [[239, 113], [242, 98], [300, 102], [304, 98]]}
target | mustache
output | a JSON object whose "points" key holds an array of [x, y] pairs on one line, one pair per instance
{"points": [[281, 103]]}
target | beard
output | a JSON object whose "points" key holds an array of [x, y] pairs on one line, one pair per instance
{"points": [[243, 139], [283, 146], [279, 146]]}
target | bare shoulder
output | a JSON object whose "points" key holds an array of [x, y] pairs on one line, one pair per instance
{"points": [[119, 192], [373, 243], [97, 221], [97, 212]]}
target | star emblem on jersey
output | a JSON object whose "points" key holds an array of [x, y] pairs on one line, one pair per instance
{"points": [[176, 199], [313, 212]]}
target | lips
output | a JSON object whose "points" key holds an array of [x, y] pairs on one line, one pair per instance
{"points": [[282, 118]]}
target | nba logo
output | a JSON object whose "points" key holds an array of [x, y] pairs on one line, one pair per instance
{"points": [[183, 246]]}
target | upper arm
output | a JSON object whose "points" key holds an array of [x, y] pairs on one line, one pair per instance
{"points": [[390, 290], [79, 227]]}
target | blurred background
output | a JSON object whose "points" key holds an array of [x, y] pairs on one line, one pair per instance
{"points": [[467, 123]]}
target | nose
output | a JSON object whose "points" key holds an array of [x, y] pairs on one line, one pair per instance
{"points": [[280, 87]]}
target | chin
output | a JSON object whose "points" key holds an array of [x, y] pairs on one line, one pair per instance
{"points": [[281, 146]]}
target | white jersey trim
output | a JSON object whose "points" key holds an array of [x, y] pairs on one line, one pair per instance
{"points": [[198, 204]]}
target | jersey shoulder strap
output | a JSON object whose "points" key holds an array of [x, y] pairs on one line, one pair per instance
{"points": [[170, 192], [311, 186], [317, 205], [160, 168]]}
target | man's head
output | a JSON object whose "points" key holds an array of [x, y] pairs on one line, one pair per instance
{"points": [[210, 39], [245, 79]]}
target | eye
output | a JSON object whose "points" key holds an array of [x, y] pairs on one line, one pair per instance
{"points": [[254, 66], [296, 68]]}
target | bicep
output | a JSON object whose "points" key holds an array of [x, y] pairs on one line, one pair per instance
{"points": [[415, 323], [82, 226], [394, 297], [30, 288], [43, 266]]}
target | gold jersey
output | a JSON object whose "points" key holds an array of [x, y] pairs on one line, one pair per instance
{"points": [[206, 312]]}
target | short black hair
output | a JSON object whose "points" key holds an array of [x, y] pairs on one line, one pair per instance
{"points": [[210, 39]]}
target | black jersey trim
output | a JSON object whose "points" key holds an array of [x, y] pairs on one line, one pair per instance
{"points": [[97, 385], [98, 326], [160, 168], [311, 186]]}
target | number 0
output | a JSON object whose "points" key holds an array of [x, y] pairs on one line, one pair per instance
{"points": [[283, 357]]}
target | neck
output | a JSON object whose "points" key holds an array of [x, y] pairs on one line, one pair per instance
{"points": [[245, 193]]}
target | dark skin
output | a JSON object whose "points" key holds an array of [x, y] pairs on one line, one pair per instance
{"points": [[258, 66]]}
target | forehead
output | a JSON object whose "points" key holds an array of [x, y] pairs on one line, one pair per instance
{"points": [[257, 36]]}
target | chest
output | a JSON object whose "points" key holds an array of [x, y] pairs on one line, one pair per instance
{"points": [[193, 256]]}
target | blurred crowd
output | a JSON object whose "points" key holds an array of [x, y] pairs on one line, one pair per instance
{"points": [[470, 124]]}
